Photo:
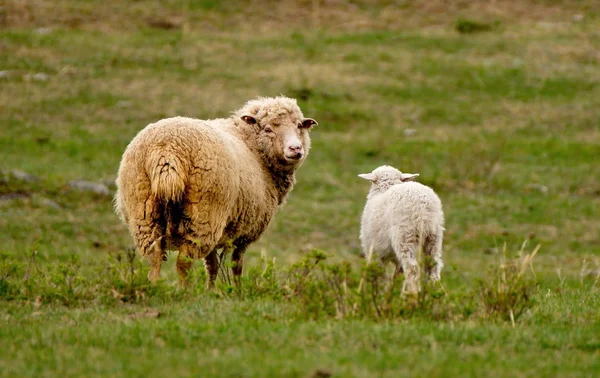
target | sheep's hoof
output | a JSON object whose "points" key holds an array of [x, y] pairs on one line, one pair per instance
{"points": [[184, 283], [210, 286], [153, 275]]}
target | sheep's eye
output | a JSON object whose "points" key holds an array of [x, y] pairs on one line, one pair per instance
{"points": [[268, 129]]}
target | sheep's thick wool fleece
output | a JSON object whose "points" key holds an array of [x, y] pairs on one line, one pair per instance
{"points": [[210, 180], [403, 212]]}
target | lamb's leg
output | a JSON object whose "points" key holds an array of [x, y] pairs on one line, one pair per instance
{"points": [[237, 260], [398, 271], [391, 258], [433, 253], [405, 249], [211, 262]]}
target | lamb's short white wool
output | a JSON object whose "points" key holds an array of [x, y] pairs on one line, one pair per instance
{"points": [[401, 216]]}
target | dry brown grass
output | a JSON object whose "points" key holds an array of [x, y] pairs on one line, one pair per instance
{"points": [[268, 15]]}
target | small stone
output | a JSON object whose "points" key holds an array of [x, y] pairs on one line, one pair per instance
{"points": [[13, 196], [6, 74], [592, 273], [44, 31], [322, 373], [491, 251], [146, 314], [88, 186], [111, 183], [578, 17], [40, 76], [48, 202], [541, 188], [409, 132], [123, 104], [23, 176]]}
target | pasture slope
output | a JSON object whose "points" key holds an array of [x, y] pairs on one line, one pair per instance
{"points": [[494, 103]]}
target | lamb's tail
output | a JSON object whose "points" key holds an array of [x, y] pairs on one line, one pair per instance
{"points": [[167, 177]]}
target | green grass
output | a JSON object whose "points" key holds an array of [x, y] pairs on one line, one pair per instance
{"points": [[507, 133]]}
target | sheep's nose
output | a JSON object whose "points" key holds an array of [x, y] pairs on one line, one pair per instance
{"points": [[294, 152]]}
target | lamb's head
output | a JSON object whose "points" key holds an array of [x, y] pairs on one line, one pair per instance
{"points": [[280, 130], [385, 176]]}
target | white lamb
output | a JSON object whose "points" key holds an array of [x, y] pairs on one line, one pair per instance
{"points": [[399, 217]]}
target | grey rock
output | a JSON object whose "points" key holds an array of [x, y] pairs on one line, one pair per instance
{"points": [[409, 132], [50, 203], [13, 196], [111, 183], [541, 188], [88, 186], [23, 176], [591, 273], [44, 31], [40, 76], [7, 74]]}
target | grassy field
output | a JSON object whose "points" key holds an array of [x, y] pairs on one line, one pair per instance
{"points": [[495, 104]]}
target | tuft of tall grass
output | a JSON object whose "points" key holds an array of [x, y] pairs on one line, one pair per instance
{"points": [[509, 291], [312, 288]]}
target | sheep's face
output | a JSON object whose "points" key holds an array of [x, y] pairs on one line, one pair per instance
{"points": [[385, 176], [284, 138]]}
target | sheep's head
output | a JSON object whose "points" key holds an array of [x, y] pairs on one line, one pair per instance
{"points": [[280, 130], [385, 176]]}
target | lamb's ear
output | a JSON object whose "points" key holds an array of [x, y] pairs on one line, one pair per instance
{"points": [[308, 123], [408, 177], [248, 119], [367, 176]]}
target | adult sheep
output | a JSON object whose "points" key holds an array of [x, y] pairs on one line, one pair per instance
{"points": [[201, 185]]}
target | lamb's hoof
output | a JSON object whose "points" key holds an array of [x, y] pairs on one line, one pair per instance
{"points": [[411, 299]]}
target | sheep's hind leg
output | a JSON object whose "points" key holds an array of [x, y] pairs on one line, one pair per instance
{"points": [[433, 255], [406, 255], [146, 225], [185, 261], [155, 256]]}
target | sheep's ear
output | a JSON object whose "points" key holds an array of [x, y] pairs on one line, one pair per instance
{"points": [[367, 176], [408, 177], [307, 123], [248, 119]]}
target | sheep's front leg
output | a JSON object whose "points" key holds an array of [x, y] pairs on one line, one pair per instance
{"points": [[211, 262], [237, 260]]}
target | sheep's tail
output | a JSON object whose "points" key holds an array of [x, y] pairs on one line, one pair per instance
{"points": [[167, 177]]}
